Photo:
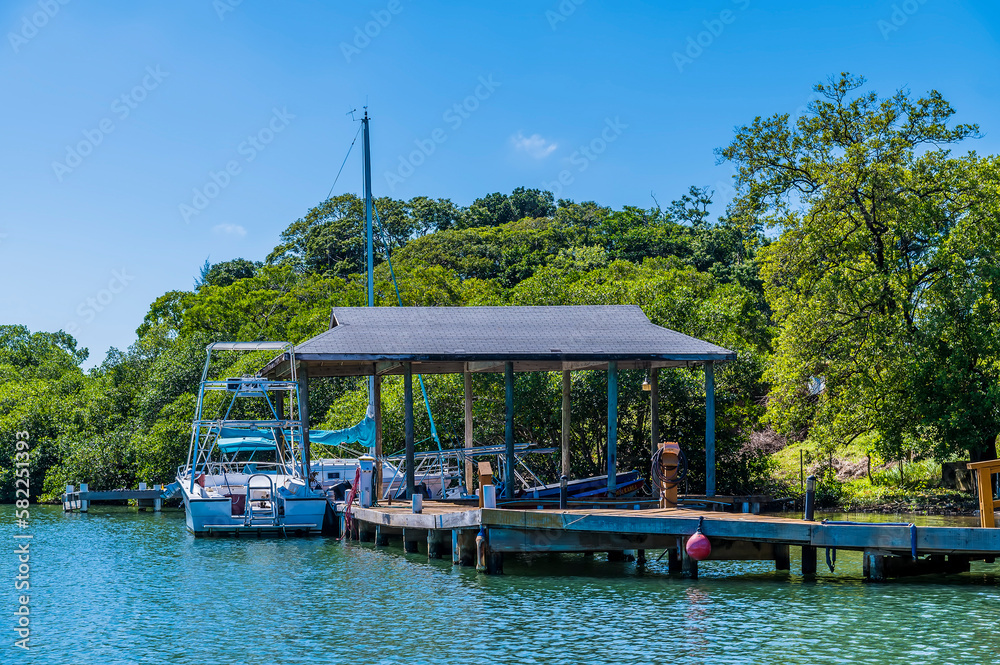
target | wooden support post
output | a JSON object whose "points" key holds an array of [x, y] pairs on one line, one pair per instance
{"points": [[455, 547], [873, 566], [68, 499], [566, 386], [467, 547], [408, 424], [378, 436], [958, 563], [367, 532], [434, 543], [508, 435], [654, 418], [640, 557], [689, 567], [469, 487], [612, 427], [303, 376], [710, 428], [808, 560], [279, 404], [674, 561], [494, 563], [782, 558], [411, 541], [84, 503], [381, 539], [157, 504]]}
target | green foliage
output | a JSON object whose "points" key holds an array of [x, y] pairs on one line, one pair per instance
{"points": [[882, 278], [227, 272]]}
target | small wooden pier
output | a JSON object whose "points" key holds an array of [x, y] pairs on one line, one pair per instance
{"points": [[623, 533], [80, 499]]}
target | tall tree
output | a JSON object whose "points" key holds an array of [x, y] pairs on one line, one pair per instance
{"points": [[867, 202]]}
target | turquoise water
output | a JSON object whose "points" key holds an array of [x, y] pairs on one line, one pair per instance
{"points": [[120, 586]]}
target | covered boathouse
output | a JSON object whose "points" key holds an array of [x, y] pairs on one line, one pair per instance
{"points": [[380, 341]]}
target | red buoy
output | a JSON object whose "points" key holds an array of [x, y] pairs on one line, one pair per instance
{"points": [[698, 547]]}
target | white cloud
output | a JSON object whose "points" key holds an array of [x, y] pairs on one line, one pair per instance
{"points": [[535, 145], [229, 230]]}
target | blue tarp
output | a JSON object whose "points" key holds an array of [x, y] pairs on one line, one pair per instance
{"points": [[245, 444], [235, 440], [363, 433]]}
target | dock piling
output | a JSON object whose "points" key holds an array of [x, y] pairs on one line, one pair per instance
{"points": [[689, 566], [810, 506], [436, 544], [808, 560], [411, 539], [782, 559]]}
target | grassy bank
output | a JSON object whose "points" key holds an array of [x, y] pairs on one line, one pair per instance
{"points": [[849, 480]]}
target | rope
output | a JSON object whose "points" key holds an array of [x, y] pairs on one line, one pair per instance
{"points": [[656, 471], [343, 163], [350, 503]]}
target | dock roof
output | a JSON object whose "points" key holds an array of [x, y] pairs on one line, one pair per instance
{"points": [[445, 340]]}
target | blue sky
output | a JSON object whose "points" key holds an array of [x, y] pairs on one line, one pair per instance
{"points": [[140, 138]]}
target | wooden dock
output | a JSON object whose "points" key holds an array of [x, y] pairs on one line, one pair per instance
{"points": [[622, 533], [80, 499]]}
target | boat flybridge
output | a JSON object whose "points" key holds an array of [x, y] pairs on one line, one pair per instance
{"points": [[246, 465]]}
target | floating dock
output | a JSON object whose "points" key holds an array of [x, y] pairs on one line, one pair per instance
{"points": [[890, 550]]}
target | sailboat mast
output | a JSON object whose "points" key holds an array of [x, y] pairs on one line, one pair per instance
{"points": [[368, 214], [370, 239]]}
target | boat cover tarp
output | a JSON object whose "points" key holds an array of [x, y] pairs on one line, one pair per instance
{"points": [[245, 445], [235, 439], [363, 433]]}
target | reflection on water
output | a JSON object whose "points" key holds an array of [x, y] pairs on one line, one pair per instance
{"points": [[117, 586]]}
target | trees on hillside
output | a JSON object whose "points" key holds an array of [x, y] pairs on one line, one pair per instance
{"points": [[881, 279]]}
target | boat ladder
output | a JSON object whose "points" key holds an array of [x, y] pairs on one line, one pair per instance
{"points": [[267, 513]]}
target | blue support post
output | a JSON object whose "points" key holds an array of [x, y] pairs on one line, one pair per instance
{"points": [[508, 434], [710, 428], [612, 427], [408, 425]]}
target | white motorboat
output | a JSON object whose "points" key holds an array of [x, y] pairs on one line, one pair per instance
{"points": [[247, 466]]}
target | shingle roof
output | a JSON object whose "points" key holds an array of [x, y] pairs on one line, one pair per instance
{"points": [[443, 339]]}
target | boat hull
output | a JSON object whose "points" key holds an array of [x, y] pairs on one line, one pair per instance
{"points": [[302, 516], [627, 483]]}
